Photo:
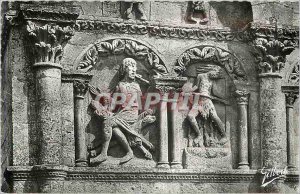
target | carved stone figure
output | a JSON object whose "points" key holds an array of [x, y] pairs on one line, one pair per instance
{"points": [[124, 123], [196, 9], [203, 107], [137, 8]]}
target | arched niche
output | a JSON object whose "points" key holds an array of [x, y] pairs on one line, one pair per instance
{"points": [[232, 78], [102, 59]]}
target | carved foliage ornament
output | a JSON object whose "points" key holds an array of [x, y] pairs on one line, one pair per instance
{"points": [[80, 88], [241, 96], [130, 48], [271, 54], [48, 41], [163, 31], [291, 98], [213, 54]]}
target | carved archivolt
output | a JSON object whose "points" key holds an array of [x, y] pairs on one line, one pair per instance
{"points": [[128, 47], [216, 55]]}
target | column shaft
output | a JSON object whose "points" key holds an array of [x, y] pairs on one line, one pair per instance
{"points": [[48, 90], [80, 89], [272, 121], [243, 137], [176, 150], [163, 135]]}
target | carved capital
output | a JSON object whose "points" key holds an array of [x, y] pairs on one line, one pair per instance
{"points": [[291, 98], [80, 88], [242, 96], [47, 41], [271, 54]]}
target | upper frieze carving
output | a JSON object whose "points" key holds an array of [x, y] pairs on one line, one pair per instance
{"points": [[128, 47], [219, 56]]}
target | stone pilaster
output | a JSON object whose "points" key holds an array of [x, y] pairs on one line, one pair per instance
{"points": [[80, 89], [242, 102]]}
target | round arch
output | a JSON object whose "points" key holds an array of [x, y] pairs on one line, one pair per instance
{"points": [[209, 53], [117, 46]]}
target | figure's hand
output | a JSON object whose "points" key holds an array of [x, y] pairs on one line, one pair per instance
{"points": [[149, 111]]}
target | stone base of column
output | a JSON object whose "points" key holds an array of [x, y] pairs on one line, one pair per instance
{"points": [[176, 165], [81, 163], [243, 166], [163, 165]]}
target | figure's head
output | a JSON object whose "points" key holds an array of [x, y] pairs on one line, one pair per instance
{"points": [[104, 100], [128, 69]]}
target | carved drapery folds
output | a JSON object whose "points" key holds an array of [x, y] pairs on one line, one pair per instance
{"points": [[128, 47], [219, 56]]}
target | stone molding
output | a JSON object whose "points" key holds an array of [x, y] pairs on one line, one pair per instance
{"points": [[219, 56], [17, 173], [49, 13]]}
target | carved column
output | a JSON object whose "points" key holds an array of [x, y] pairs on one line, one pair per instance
{"points": [[271, 55], [48, 89], [175, 134], [242, 102], [290, 99], [46, 41], [163, 161], [80, 88]]}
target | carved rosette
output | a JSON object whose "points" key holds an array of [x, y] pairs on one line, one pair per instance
{"points": [[80, 88], [216, 55], [271, 54], [242, 96], [48, 41], [128, 47], [291, 98]]}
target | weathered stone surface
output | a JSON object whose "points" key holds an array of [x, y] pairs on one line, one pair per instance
{"points": [[38, 125]]}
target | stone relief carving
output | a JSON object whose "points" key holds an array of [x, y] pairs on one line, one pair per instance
{"points": [[196, 9], [125, 123], [209, 53], [48, 41], [209, 124], [135, 8], [271, 54], [130, 48]]}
